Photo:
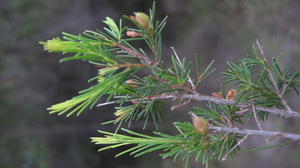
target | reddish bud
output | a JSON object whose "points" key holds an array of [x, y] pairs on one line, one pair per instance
{"points": [[133, 34], [231, 94], [200, 124]]}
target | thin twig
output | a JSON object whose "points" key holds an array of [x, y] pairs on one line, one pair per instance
{"points": [[242, 111], [262, 53], [235, 146], [256, 119], [283, 89], [106, 103], [174, 107], [136, 54], [256, 132], [272, 78], [283, 101], [201, 98], [190, 79]]}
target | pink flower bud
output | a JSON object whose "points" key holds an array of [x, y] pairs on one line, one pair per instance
{"points": [[133, 34]]}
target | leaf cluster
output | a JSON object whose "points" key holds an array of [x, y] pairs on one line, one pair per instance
{"points": [[187, 144], [119, 62], [260, 82]]}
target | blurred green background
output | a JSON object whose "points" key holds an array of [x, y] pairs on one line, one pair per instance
{"points": [[31, 79]]}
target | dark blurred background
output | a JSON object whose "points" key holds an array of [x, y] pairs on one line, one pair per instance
{"points": [[31, 79]]}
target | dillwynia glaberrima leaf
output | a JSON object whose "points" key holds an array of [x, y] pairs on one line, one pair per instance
{"points": [[188, 144], [89, 97], [84, 48]]}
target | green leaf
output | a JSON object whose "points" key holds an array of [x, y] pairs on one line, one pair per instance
{"points": [[90, 97]]}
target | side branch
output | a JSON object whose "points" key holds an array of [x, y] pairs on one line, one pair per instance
{"points": [[136, 54], [198, 97], [274, 83], [256, 132]]}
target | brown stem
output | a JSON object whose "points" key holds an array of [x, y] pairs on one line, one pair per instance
{"points": [[256, 118], [201, 98], [272, 78], [256, 132], [189, 78], [136, 54]]}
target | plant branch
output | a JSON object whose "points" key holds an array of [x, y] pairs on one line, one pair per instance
{"points": [[190, 79], [272, 78], [235, 146], [256, 132], [256, 118], [202, 98], [136, 54]]}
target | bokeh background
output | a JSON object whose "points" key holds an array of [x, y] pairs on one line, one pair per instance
{"points": [[31, 79]]}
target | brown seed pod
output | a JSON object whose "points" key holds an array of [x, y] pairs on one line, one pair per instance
{"points": [[141, 18], [200, 124], [231, 94], [133, 34]]}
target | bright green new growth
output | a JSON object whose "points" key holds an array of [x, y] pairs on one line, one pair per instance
{"points": [[258, 84], [187, 144], [91, 96]]}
